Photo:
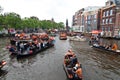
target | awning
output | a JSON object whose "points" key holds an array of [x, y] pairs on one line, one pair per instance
{"points": [[95, 32]]}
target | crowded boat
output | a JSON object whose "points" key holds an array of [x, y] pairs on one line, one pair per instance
{"points": [[23, 45], [111, 47], [72, 66], [107, 48]]}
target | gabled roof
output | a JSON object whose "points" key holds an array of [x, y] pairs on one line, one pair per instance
{"points": [[117, 2]]}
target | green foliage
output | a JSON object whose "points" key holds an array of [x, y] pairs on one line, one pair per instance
{"points": [[13, 20], [1, 19], [60, 25], [1, 28]]}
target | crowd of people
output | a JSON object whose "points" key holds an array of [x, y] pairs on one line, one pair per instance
{"points": [[73, 66], [96, 42], [21, 43]]}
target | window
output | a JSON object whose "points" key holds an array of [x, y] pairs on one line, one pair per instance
{"points": [[111, 2], [110, 20], [95, 16], [107, 14], [103, 21], [108, 28], [111, 12], [104, 14], [94, 20], [88, 22], [89, 17], [82, 29], [106, 21], [103, 28]]}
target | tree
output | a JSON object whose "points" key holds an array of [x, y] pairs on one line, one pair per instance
{"points": [[60, 25], [12, 20], [34, 17], [1, 19], [31, 22]]}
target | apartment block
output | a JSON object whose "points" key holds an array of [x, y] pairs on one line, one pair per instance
{"points": [[108, 19], [79, 19]]}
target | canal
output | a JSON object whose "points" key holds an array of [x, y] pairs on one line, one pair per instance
{"points": [[48, 65]]}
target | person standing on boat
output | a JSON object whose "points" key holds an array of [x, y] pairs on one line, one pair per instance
{"points": [[18, 45], [21, 47], [41, 45]]}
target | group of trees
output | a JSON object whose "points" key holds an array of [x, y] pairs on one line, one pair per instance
{"points": [[14, 20]]}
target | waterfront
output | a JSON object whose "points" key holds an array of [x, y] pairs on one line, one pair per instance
{"points": [[48, 65]]}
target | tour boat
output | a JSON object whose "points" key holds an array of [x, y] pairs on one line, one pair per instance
{"points": [[31, 52]]}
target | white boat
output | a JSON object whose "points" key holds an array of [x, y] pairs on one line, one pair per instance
{"points": [[77, 38]]}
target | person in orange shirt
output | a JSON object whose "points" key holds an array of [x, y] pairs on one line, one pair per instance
{"points": [[114, 47], [79, 73]]}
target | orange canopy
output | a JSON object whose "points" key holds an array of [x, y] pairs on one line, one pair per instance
{"points": [[95, 32]]}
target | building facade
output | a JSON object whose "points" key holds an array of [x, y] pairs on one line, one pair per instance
{"points": [[105, 19], [108, 19], [92, 21], [82, 19]]}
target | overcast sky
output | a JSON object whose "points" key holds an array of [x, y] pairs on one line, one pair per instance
{"points": [[60, 10]]}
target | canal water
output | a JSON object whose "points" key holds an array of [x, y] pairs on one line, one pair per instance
{"points": [[48, 65]]}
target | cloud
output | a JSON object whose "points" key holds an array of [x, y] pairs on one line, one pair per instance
{"points": [[60, 10]]}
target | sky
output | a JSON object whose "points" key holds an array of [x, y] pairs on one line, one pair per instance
{"points": [[60, 10]]}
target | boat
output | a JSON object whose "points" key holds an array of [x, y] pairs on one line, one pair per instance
{"points": [[26, 47], [2, 63], [77, 38], [105, 50], [114, 38], [31, 52], [63, 36], [13, 41], [71, 72]]}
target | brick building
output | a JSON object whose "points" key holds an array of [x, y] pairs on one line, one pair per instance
{"points": [[108, 18], [117, 24]]}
